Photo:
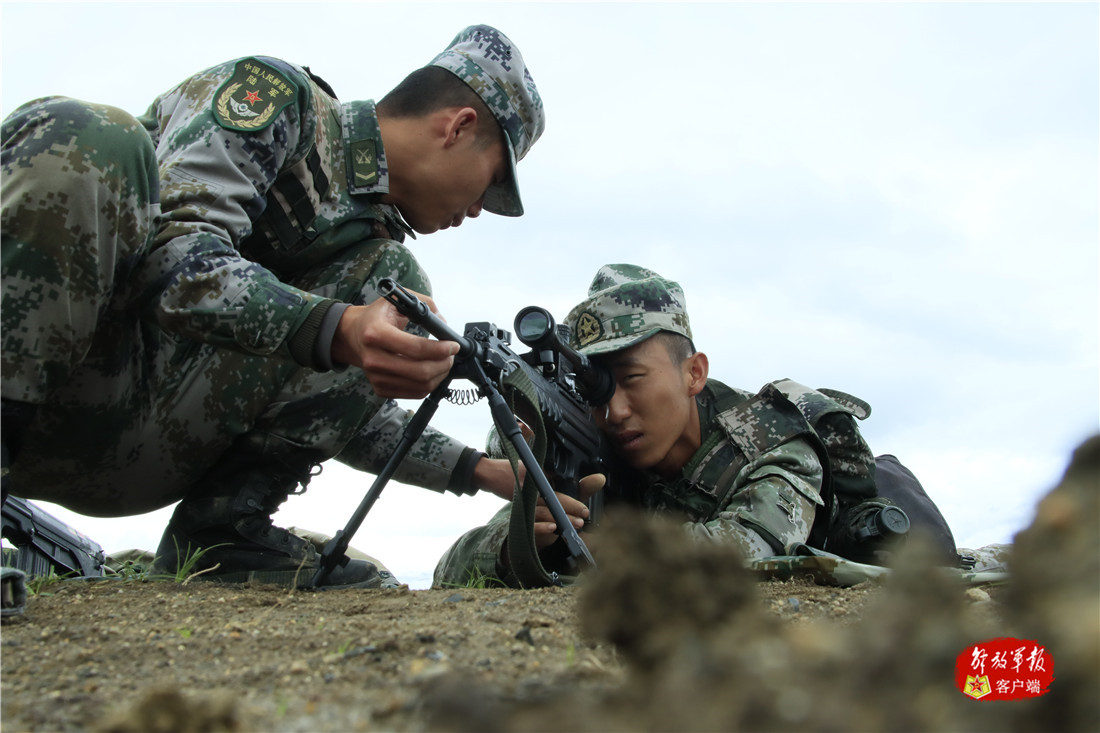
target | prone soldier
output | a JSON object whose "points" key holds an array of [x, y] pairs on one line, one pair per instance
{"points": [[773, 473]]}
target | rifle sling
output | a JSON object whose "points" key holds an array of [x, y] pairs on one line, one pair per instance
{"points": [[522, 551]]}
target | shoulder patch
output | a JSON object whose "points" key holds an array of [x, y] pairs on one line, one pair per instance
{"points": [[252, 97]]}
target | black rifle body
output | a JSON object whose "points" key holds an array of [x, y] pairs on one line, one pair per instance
{"points": [[485, 357], [44, 543]]}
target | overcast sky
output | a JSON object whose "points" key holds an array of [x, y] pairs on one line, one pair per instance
{"points": [[895, 200]]}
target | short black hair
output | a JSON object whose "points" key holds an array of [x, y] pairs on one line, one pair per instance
{"points": [[432, 88], [679, 347]]}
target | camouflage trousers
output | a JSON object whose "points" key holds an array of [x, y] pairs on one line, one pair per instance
{"points": [[130, 416]]}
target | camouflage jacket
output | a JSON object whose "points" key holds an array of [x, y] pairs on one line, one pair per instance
{"points": [[269, 222], [263, 174], [766, 506]]}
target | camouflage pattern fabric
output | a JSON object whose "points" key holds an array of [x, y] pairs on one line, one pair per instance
{"points": [[766, 507], [988, 558], [226, 250], [475, 557], [626, 304], [825, 568], [55, 151], [492, 66], [761, 492], [151, 344]]}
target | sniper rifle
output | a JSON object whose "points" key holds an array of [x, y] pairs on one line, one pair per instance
{"points": [[552, 389]]}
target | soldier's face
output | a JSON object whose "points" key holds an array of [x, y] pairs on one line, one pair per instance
{"points": [[449, 181], [652, 419]]}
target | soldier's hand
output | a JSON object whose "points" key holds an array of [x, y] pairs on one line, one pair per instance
{"points": [[577, 509], [398, 364], [589, 485], [546, 527]]}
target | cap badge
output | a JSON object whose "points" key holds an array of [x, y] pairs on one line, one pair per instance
{"points": [[588, 329]]}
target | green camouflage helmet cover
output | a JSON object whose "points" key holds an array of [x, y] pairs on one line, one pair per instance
{"points": [[626, 305], [492, 66]]}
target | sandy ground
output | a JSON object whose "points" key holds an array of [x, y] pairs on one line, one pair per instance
{"points": [[213, 657]]}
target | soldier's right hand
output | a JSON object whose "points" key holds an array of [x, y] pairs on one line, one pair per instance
{"points": [[398, 364]]}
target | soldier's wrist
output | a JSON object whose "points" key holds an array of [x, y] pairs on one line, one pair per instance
{"points": [[462, 481]]}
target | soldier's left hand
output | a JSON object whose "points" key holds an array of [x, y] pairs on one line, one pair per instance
{"points": [[546, 527]]}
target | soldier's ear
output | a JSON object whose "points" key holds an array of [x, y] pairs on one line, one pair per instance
{"points": [[461, 123], [698, 367]]}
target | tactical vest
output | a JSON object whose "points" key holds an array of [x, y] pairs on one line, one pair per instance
{"points": [[782, 411]]}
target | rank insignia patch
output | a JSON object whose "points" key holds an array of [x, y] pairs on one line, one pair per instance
{"points": [[253, 96], [364, 162]]}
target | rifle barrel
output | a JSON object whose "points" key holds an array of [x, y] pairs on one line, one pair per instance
{"points": [[418, 311]]}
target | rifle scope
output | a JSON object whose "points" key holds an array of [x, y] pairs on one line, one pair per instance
{"points": [[535, 327], [881, 521]]}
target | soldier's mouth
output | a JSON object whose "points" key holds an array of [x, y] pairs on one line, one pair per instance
{"points": [[629, 440]]}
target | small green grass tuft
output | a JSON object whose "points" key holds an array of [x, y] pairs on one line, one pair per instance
{"points": [[186, 562], [37, 585], [477, 579]]}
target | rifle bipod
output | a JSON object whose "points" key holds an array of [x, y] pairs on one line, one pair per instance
{"points": [[335, 552]]}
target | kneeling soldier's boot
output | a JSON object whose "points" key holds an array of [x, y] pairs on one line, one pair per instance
{"points": [[228, 514]]}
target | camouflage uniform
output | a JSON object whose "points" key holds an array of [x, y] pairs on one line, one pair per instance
{"points": [[765, 504], [766, 507], [172, 284]]}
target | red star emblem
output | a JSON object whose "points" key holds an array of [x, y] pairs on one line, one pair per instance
{"points": [[977, 687], [252, 97]]}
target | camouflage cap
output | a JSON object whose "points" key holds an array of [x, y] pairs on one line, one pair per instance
{"points": [[484, 58], [626, 305]]}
